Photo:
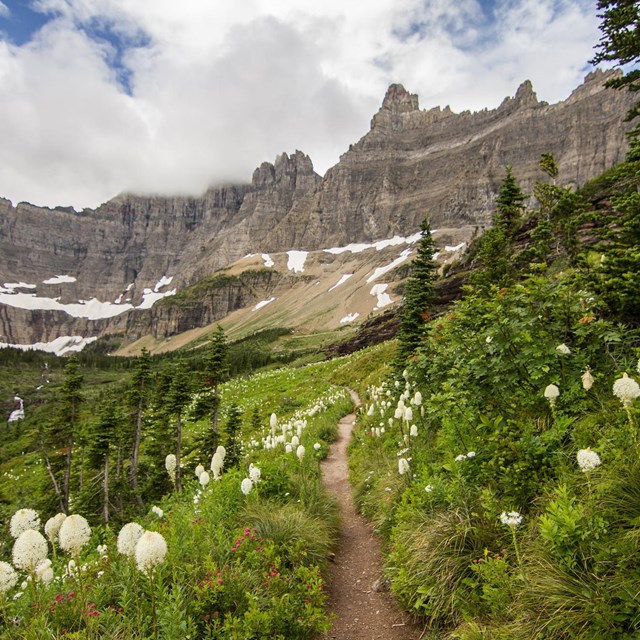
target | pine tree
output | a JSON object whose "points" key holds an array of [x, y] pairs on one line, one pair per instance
{"points": [[510, 203], [138, 398], [216, 371], [232, 433], [620, 42], [177, 399], [419, 294]]}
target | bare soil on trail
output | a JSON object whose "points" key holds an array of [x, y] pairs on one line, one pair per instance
{"points": [[358, 595]]}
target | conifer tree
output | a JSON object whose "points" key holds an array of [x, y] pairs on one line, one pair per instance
{"points": [[216, 371], [510, 203], [620, 42], [419, 294], [138, 398], [232, 433], [72, 398], [177, 399]]}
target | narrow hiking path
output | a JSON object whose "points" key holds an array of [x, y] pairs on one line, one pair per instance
{"points": [[364, 607]]}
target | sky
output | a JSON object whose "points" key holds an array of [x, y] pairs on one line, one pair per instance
{"points": [[101, 97]]}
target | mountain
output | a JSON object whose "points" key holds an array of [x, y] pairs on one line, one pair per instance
{"points": [[89, 273]]}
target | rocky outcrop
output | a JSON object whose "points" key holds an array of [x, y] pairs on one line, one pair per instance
{"points": [[411, 163]]}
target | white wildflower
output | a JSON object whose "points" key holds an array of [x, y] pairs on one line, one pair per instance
{"points": [[150, 551], [370, 410], [471, 454], [551, 392], [588, 460], [22, 520], [246, 485], [413, 432], [403, 466], [417, 399], [101, 549], [295, 441], [461, 457], [170, 464], [317, 446], [128, 538], [222, 451], [300, 452], [199, 470], [217, 462], [273, 421], [158, 511], [52, 526], [626, 389], [408, 414], [74, 534], [562, 349], [29, 549], [511, 519], [587, 380], [489, 339], [8, 577], [44, 571], [254, 473], [17, 595], [288, 448], [204, 479], [429, 488], [398, 413]]}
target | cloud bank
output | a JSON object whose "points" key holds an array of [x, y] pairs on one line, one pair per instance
{"points": [[156, 96]]}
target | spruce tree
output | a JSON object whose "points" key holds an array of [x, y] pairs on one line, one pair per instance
{"points": [[216, 371], [232, 437], [510, 203], [177, 399], [419, 294]]}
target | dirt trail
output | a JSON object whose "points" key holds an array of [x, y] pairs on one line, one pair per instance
{"points": [[364, 607]]}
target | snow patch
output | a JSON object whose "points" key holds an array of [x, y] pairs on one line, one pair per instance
{"points": [[163, 282], [268, 262], [342, 280], [380, 271], [296, 260], [456, 248], [19, 285], [378, 246], [59, 280], [264, 303], [350, 318], [149, 298], [59, 346], [384, 299]]}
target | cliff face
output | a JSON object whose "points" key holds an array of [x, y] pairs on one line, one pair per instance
{"points": [[411, 162], [450, 166]]}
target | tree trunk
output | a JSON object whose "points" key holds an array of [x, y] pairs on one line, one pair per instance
{"points": [[214, 417], [54, 482], [105, 491], [178, 451], [133, 471]]}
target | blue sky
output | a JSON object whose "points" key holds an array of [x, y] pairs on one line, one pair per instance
{"points": [[98, 97]]}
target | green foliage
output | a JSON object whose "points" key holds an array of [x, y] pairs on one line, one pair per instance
{"points": [[510, 203]]}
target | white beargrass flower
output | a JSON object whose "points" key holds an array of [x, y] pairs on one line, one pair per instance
{"points": [[471, 454], [417, 399], [52, 526], [158, 511], [22, 520], [150, 551], [288, 448], [221, 450], [300, 451], [413, 432], [128, 538], [398, 413], [44, 571], [204, 479], [370, 410], [588, 460], [170, 464], [317, 446], [638, 367], [408, 414], [8, 577], [403, 466], [295, 441], [199, 470], [626, 389], [551, 392], [254, 473], [429, 488], [273, 421], [29, 549], [217, 462], [74, 534], [461, 457], [511, 519], [587, 380], [562, 349], [246, 485]]}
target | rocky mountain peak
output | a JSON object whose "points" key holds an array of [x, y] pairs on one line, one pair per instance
{"points": [[399, 100], [293, 168]]}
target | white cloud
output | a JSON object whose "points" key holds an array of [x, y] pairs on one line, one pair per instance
{"points": [[4, 10], [218, 87]]}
